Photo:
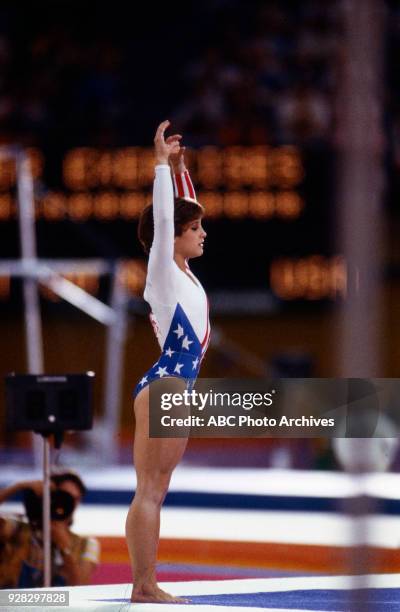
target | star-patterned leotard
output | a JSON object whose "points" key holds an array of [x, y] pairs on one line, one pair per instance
{"points": [[178, 301]]}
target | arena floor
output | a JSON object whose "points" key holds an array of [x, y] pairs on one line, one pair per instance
{"points": [[378, 593], [248, 538]]}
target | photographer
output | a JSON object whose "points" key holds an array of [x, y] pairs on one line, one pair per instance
{"points": [[21, 540]]}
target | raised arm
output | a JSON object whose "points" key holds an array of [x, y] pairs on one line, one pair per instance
{"points": [[183, 185], [161, 259], [18, 487], [7, 526]]}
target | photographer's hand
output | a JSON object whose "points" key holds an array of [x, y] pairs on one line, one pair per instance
{"points": [[35, 485], [60, 535], [76, 571], [7, 527]]}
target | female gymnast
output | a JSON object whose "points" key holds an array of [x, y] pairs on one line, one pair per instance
{"points": [[171, 230]]}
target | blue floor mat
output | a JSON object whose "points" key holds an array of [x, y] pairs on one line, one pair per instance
{"points": [[332, 600], [321, 600]]}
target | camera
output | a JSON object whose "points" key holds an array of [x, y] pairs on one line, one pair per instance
{"points": [[62, 505]]}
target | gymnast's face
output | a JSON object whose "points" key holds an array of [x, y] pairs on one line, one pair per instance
{"points": [[191, 242]]}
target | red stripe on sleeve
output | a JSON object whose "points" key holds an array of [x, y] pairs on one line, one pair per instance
{"points": [[207, 334], [179, 186]]}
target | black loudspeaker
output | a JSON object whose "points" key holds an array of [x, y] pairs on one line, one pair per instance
{"points": [[48, 404]]}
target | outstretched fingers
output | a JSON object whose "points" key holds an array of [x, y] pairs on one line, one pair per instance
{"points": [[160, 133], [161, 129], [174, 138], [165, 147], [173, 143]]}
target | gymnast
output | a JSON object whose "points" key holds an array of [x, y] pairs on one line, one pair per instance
{"points": [[171, 232]]}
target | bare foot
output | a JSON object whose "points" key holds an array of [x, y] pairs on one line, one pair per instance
{"points": [[153, 594]]}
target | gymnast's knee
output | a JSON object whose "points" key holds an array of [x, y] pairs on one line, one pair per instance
{"points": [[153, 488]]}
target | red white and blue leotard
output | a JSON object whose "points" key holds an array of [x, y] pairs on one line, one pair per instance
{"points": [[178, 301]]}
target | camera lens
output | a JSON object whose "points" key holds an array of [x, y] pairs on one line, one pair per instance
{"points": [[62, 505]]}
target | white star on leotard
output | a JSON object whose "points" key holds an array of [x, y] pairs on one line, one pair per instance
{"points": [[186, 343], [161, 372], [179, 331], [144, 380], [178, 367], [195, 362], [169, 352]]}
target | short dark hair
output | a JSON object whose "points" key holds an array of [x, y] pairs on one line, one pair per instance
{"points": [[69, 476], [185, 211]]}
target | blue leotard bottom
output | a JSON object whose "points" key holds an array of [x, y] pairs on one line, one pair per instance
{"points": [[181, 354]]}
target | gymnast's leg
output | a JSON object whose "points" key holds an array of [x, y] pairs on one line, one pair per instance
{"points": [[155, 460]]}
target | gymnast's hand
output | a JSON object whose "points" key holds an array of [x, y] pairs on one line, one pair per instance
{"points": [[177, 160], [164, 148]]}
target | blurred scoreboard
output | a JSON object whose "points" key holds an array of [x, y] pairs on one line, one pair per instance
{"points": [[268, 215]]}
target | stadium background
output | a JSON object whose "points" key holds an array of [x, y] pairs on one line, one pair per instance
{"points": [[254, 89]]}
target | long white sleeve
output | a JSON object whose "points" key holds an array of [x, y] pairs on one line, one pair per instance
{"points": [[160, 278]]}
